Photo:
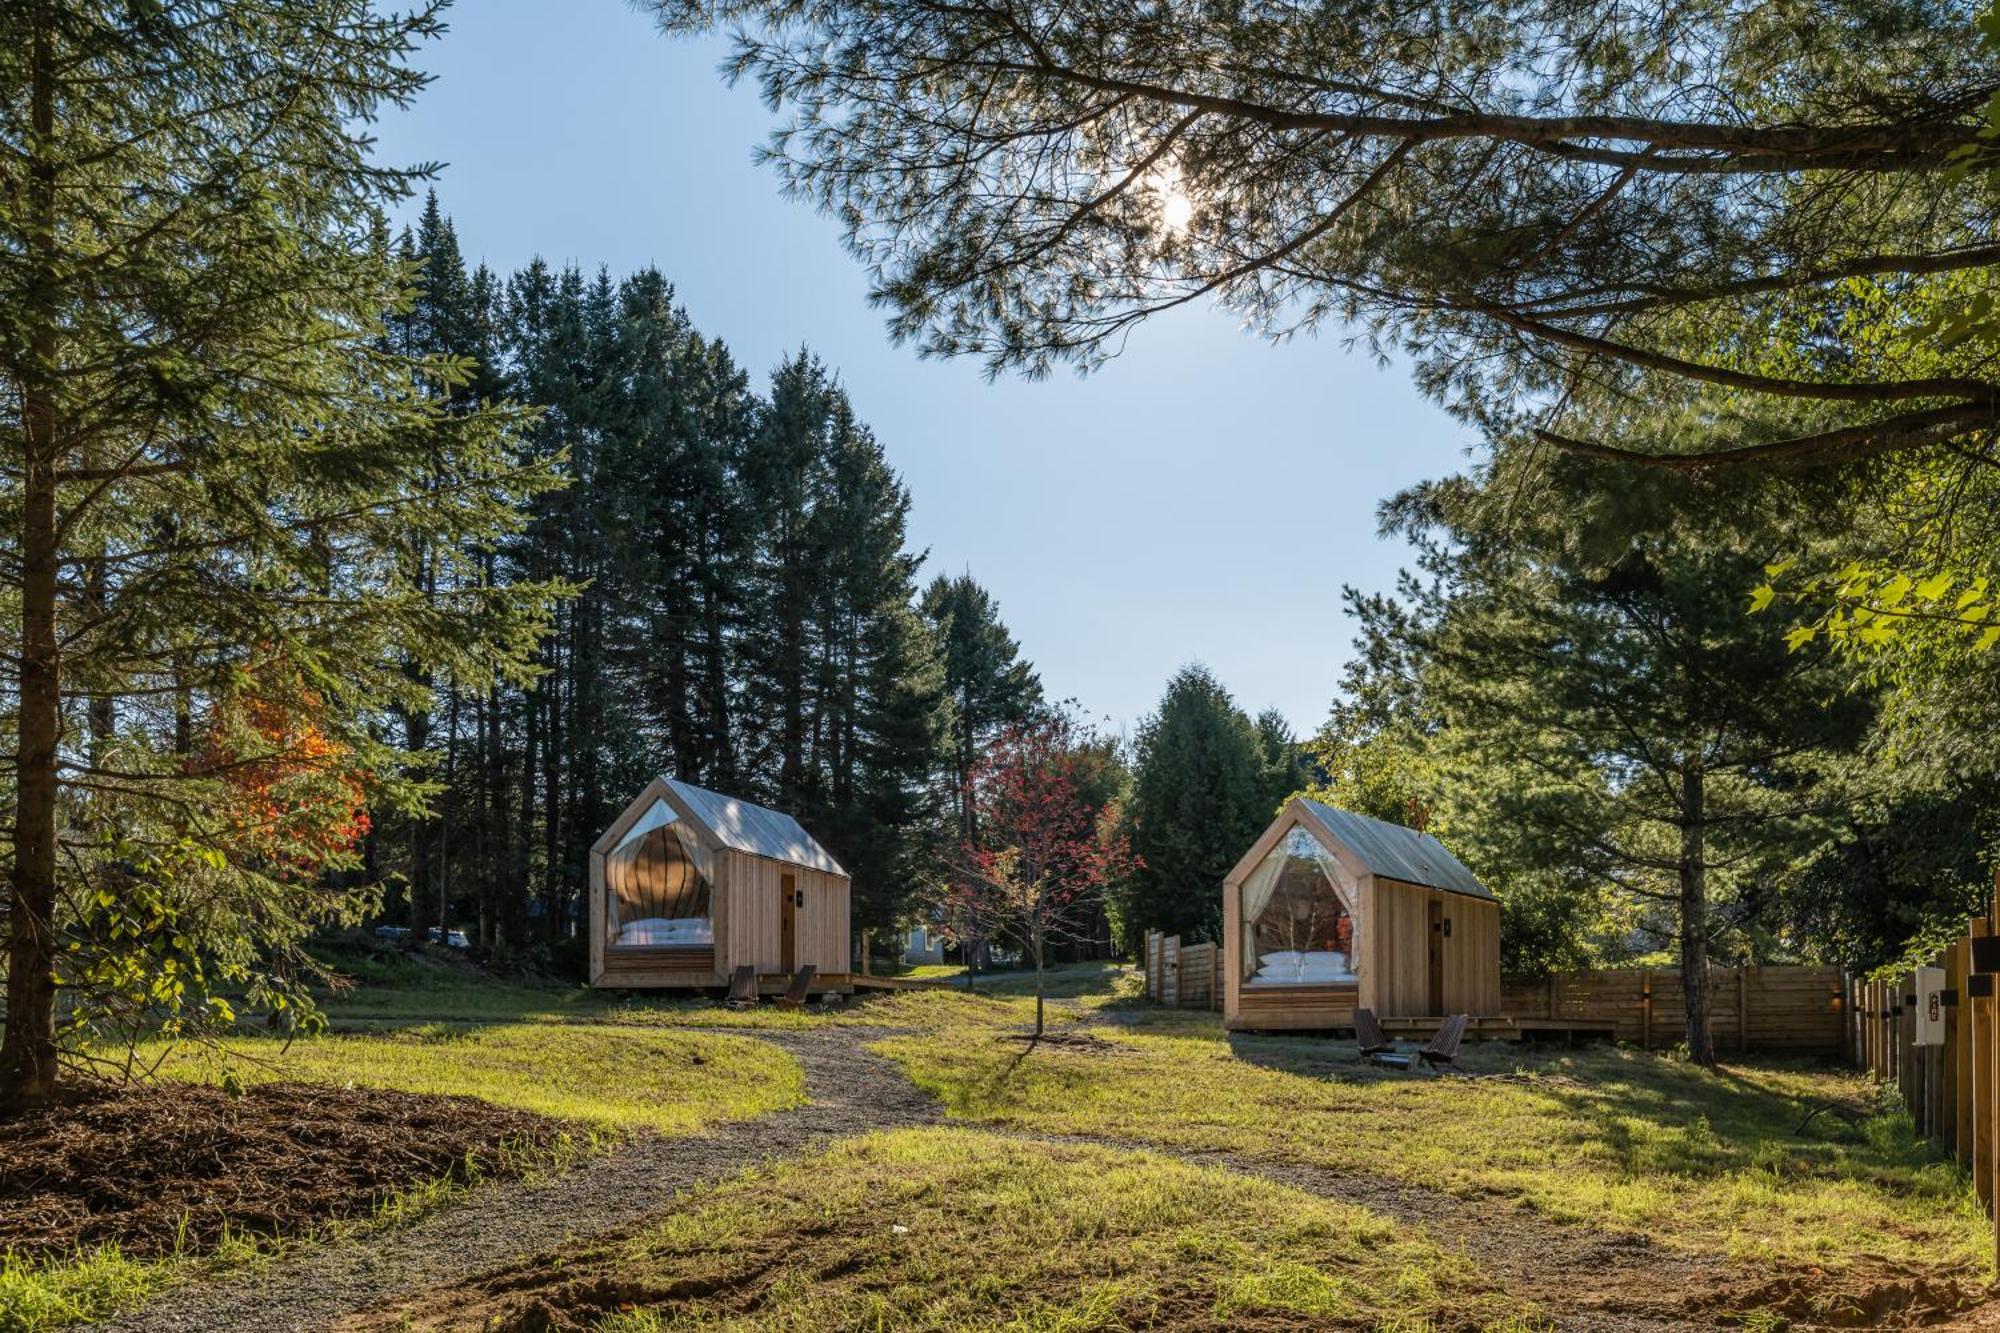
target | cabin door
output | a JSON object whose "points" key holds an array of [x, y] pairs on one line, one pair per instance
{"points": [[1436, 959], [788, 923]]}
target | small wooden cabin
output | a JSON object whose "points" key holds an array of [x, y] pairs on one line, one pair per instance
{"points": [[689, 884], [1330, 911]]}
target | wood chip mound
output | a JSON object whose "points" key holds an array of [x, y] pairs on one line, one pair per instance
{"points": [[165, 1167]]}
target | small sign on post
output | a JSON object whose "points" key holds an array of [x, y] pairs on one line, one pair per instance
{"points": [[1930, 990]]}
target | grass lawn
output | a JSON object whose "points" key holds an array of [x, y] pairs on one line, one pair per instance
{"points": [[613, 1079], [951, 1230], [1606, 1136]]}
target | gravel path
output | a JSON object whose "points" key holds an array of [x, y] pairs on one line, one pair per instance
{"points": [[1587, 1281], [851, 1092]]}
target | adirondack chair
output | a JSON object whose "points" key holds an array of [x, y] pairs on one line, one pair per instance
{"points": [[1442, 1052], [743, 988], [1439, 1052], [795, 996], [1369, 1036]]}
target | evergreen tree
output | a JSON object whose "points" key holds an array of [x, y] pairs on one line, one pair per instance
{"points": [[683, 534], [209, 423], [1201, 793], [780, 473], [882, 710], [1288, 766], [990, 685], [1607, 700], [740, 605]]}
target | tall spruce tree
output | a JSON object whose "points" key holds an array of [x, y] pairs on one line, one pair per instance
{"points": [[683, 535], [882, 708], [215, 465], [991, 685], [1202, 791]]}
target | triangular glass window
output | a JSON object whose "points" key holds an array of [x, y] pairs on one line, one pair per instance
{"points": [[656, 895], [1298, 922]]}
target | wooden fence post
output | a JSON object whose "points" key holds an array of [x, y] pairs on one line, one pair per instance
{"points": [[1961, 1054], [1982, 1086], [1742, 1010], [1992, 1054], [1646, 1008]]}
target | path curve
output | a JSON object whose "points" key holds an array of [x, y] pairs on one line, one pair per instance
{"points": [[850, 1091], [1585, 1279]]}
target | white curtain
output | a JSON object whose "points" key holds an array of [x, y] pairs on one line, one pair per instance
{"points": [[1335, 876], [1257, 891], [1262, 884]]}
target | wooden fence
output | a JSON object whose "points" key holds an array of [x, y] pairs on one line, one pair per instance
{"points": [[1796, 1010], [1948, 1085], [1187, 976], [1793, 1010]]}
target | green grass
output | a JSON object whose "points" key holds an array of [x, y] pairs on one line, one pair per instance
{"points": [[393, 990], [952, 1230], [1606, 1136], [610, 1078], [38, 1296]]}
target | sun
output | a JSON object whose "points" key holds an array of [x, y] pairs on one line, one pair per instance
{"points": [[1163, 189]]}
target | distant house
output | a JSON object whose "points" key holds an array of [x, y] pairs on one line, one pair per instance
{"points": [[923, 944], [1330, 911], [688, 884]]}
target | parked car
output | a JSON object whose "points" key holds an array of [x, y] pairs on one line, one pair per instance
{"points": [[456, 939], [392, 932]]}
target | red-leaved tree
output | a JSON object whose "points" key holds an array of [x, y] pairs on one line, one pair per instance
{"points": [[1047, 846]]}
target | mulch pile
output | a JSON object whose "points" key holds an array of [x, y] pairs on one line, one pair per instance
{"points": [[161, 1166]]}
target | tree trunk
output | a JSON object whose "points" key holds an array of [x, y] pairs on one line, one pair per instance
{"points": [[1694, 916], [1041, 978], [28, 1051]]}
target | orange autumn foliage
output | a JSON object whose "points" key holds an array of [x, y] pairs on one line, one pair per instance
{"points": [[294, 799]]}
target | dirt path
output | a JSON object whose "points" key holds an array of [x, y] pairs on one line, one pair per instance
{"points": [[1587, 1281], [852, 1092]]}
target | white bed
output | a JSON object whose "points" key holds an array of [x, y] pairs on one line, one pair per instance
{"points": [[1302, 967], [667, 933]]}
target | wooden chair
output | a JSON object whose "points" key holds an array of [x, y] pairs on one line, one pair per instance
{"points": [[795, 996], [743, 988], [1369, 1036], [1440, 1052]]}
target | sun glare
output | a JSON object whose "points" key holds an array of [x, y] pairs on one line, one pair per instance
{"points": [[1163, 185]]}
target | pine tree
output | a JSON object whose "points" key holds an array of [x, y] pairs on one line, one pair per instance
{"points": [[1201, 793], [220, 438], [991, 686], [882, 709], [683, 537], [779, 474]]}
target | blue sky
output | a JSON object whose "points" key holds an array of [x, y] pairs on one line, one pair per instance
{"points": [[1204, 498]]}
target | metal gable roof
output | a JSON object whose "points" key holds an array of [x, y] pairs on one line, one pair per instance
{"points": [[1395, 852], [754, 829]]}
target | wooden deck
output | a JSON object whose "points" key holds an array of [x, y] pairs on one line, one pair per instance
{"points": [[1509, 1029]]}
